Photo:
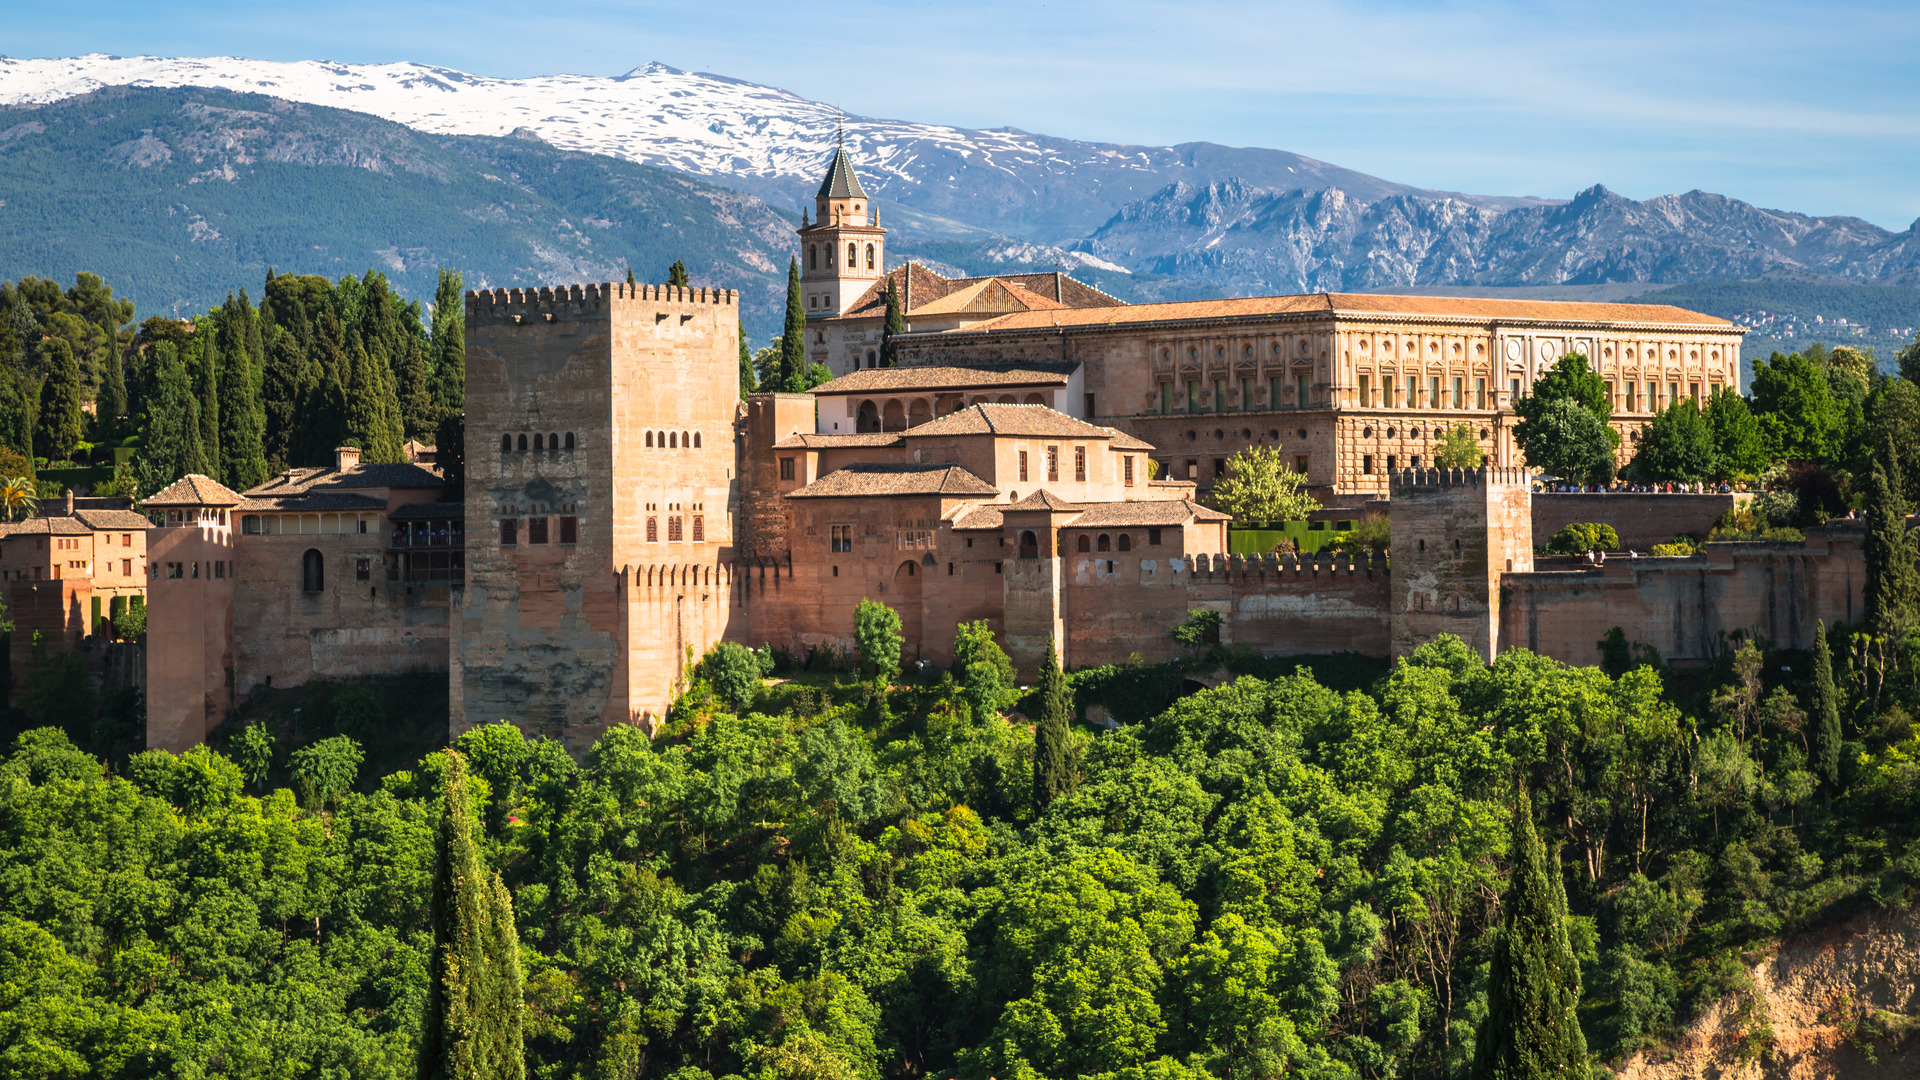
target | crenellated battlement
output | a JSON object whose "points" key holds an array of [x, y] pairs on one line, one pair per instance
{"points": [[1416, 481], [1318, 569], [553, 301]]}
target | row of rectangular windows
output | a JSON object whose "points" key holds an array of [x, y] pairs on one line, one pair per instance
{"points": [[537, 530], [551, 442]]}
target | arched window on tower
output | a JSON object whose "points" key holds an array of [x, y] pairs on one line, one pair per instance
{"points": [[536, 440], [869, 256], [523, 443], [569, 440], [673, 440], [853, 257], [313, 571], [506, 444], [813, 257], [696, 440]]}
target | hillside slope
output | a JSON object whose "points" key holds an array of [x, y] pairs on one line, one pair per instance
{"points": [[185, 194], [1835, 1003]]}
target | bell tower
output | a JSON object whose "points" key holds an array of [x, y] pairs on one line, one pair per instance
{"points": [[843, 251]]}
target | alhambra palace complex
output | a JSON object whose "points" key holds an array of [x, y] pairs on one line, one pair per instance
{"points": [[625, 510]]}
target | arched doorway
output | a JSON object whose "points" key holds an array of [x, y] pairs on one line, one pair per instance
{"points": [[906, 600], [894, 418], [868, 419], [919, 414], [1029, 545]]}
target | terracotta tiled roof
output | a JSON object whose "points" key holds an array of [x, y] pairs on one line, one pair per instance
{"points": [[920, 287], [881, 478], [962, 377], [48, 526], [429, 511], [1118, 515], [313, 502], [113, 519], [194, 490], [1040, 500], [985, 297], [984, 516], [1124, 441], [1035, 421], [364, 475], [807, 440], [1358, 304]]}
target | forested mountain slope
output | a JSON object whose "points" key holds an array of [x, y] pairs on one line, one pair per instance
{"points": [[183, 194]]}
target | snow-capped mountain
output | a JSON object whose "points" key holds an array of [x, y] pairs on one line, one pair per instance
{"points": [[757, 138]]}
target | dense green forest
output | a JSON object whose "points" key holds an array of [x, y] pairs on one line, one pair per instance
{"points": [[101, 404], [822, 876]]}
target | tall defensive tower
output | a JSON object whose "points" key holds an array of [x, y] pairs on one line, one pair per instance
{"points": [[1455, 532], [843, 251]]}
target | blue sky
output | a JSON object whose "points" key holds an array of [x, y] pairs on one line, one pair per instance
{"points": [[1813, 107]]}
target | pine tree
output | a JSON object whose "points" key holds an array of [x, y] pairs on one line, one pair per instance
{"points": [[450, 342], [793, 338], [473, 1022], [62, 421], [746, 363], [1893, 584], [1532, 1030], [677, 274], [1825, 708], [1052, 737], [243, 462], [896, 324]]}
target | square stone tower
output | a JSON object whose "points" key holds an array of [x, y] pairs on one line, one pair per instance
{"points": [[1455, 531], [601, 475]]}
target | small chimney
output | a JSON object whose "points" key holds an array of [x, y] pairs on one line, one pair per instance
{"points": [[345, 457], [69, 502]]}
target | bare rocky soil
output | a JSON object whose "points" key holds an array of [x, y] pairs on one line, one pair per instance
{"points": [[1839, 1002]]}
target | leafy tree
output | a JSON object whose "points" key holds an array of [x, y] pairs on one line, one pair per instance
{"points": [[876, 633], [1579, 538], [1739, 446], [895, 324], [793, 336], [987, 672], [1892, 416], [1260, 486], [326, 770], [1565, 439], [254, 749], [474, 1026], [62, 421], [734, 673], [677, 275], [1798, 415], [1532, 1029], [1459, 449], [1676, 445], [1052, 735]]}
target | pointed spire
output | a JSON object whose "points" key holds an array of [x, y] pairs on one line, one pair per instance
{"points": [[840, 182]]}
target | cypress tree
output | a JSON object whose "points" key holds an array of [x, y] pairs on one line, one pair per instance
{"points": [[1533, 992], [62, 421], [896, 324], [450, 342], [288, 380], [112, 403], [1893, 584], [1052, 738], [16, 415], [473, 1021], [793, 337], [746, 363], [371, 415], [170, 427], [243, 462], [419, 412], [206, 393], [630, 279], [677, 274], [1826, 715]]}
